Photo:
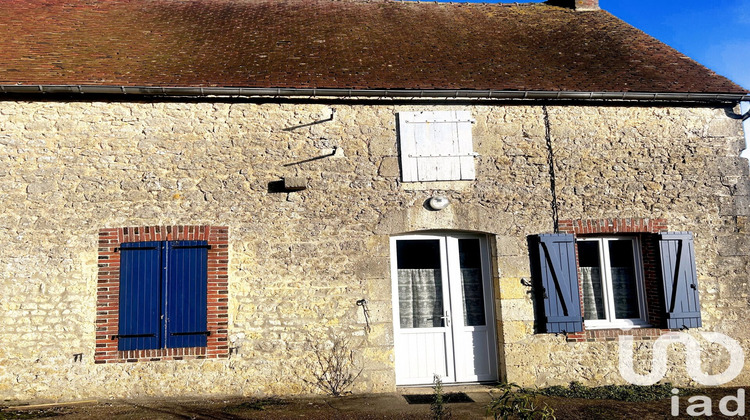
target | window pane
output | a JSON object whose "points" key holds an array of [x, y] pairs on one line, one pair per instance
{"points": [[624, 288], [471, 282], [591, 280], [420, 285]]}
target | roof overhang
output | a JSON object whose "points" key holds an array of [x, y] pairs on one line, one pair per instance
{"points": [[468, 94]]}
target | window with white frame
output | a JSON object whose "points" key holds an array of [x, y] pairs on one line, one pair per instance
{"points": [[611, 276], [436, 146]]}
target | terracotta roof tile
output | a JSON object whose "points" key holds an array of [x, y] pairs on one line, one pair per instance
{"points": [[337, 44]]}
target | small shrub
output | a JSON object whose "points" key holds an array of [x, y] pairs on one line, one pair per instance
{"points": [[332, 365], [438, 408], [519, 403]]}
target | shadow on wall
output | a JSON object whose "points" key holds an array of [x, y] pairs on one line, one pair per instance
{"points": [[537, 289]]}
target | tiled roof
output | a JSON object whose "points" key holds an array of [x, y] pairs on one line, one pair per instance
{"points": [[337, 44]]}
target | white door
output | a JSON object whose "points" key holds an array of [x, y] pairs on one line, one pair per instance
{"points": [[442, 309]]}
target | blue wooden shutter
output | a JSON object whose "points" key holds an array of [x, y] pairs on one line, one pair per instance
{"points": [[186, 290], [140, 287], [683, 309], [562, 301]]}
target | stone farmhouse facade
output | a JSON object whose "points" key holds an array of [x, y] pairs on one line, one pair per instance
{"points": [[196, 194]]}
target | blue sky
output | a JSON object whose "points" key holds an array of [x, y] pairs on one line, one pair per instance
{"points": [[715, 33]]}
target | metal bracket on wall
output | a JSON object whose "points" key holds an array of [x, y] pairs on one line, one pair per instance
{"points": [[366, 311], [116, 336], [206, 333]]}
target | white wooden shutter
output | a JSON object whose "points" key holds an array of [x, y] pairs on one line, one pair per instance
{"points": [[436, 146], [465, 144], [407, 140]]}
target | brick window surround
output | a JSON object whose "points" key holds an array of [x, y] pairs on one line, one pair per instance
{"points": [[108, 289], [646, 231]]}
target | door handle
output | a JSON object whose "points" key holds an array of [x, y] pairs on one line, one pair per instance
{"points": [[447, 319]]}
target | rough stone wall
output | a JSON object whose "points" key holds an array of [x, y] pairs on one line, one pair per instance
{"points": [[299, 261]]}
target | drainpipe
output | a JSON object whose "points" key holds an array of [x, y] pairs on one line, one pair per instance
{"points": [[745, 111]]}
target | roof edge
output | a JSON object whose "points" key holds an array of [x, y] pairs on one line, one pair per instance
{"points": [[373, 93]]}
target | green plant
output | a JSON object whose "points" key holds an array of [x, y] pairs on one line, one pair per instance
{"points": [[332, 365], [519, 403], [633, 393], [437, 407]]}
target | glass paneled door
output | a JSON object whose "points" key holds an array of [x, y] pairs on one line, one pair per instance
{"points": [[442, 307]]}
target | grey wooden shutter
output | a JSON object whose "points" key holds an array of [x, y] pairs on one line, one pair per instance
{"points": [[683, 309], [562, 300], [436, 146]]}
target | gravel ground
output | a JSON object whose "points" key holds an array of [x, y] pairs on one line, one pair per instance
{"points": [[377, 406]]}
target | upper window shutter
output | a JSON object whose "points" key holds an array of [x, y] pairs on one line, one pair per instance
{"points": [[436, 146], [680, 279], [465, 144], [562, 300], [407, 140], [140, 281], [186, 290]]}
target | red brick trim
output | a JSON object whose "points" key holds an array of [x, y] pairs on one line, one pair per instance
{"points": [[645, 230], [612, 335], [613, 226], [108, 289]]}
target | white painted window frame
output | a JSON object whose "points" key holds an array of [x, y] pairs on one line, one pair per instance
{"points": [[609, 308], [436, 146]]}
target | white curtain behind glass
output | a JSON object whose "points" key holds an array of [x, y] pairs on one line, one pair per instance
{"points": [[624, 292], [593, 303], [420, 298]]}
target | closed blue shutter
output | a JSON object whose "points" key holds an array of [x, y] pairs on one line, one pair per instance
{"points": [[562, 301], [683, 309], [140, 287], [186, 289]]}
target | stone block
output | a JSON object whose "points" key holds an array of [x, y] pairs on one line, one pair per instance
{"points": [[515, 331], [379, 289], [383, 145], [722, 127], [733, 245], [513, 288], [510, 246], [516, 310], [514, 266], [389, 167], [373, 268]]}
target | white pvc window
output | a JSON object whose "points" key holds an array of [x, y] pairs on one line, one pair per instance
{"points": [[611, 275], [436, 146]]}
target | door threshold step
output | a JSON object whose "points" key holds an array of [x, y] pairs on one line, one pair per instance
{"points": [[448, 398]]}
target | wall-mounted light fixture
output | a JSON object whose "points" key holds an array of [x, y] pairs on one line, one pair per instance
{"points": [[439, 202]]}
